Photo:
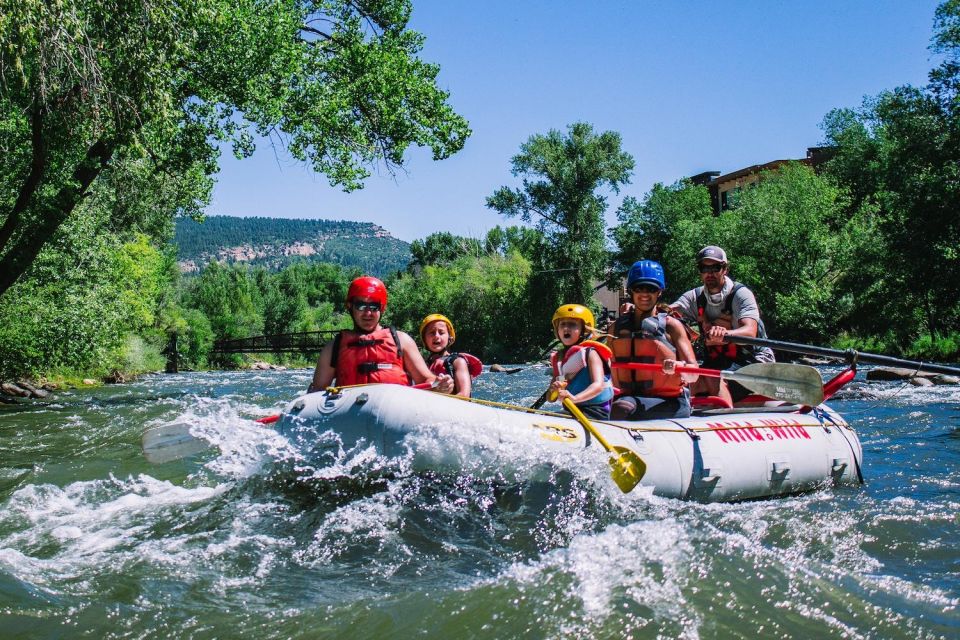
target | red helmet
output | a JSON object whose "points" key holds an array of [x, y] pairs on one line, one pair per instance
{"points": [[368, 287]]}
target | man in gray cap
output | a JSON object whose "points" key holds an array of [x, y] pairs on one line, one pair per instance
{"points": [[722, 307]]}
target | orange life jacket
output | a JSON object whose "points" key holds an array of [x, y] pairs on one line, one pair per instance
{"points": [[651, 345], [364, 358], [721, 356], [729, 352]]}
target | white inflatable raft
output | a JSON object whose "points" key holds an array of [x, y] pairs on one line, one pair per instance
{"points": [[720, 455]]}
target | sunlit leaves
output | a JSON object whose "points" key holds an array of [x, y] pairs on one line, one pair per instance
{"points": [[563, 180]]}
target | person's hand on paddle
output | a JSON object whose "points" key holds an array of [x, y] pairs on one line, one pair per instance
{"points": [[553, 391], [670, 367], [443, 384], [716, 335]]}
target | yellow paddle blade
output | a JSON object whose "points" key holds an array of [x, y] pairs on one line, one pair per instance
{"points": [[627, 469]]}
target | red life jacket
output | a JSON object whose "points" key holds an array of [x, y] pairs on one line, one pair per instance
{"points": [[651, 345], [729, 352], [444, 364], [364, 358]]}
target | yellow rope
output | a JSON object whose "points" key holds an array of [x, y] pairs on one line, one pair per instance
{"points": [[554, 414]]}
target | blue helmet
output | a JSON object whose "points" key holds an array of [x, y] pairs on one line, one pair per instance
{"points": [[646, 272]]}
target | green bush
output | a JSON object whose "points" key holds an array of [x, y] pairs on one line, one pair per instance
{"points": [[138, 355], [83, 296], [940, 348]]}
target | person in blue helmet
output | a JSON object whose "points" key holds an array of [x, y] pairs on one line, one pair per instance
{"points": [[644, 335]]}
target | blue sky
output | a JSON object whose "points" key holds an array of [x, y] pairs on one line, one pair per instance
{"points": [[690, 86]]}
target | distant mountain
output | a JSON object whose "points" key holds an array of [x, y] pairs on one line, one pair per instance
{"points": [[276, 242]]}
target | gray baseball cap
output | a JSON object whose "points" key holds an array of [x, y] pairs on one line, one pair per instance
{"points": [[712, 253]]}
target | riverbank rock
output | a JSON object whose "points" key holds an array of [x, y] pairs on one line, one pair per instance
{"points": [[260, 365], [17, 391], [896, 373], [499, 368], [942, 378], [89, 382], [35, 392], [921, 382], [23, 389], [813, 362]]}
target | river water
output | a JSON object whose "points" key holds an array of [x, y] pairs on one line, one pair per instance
{"points": [[247, 540]]}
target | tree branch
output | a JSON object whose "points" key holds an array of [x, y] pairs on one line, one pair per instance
{"points": [[548, 217], [37, 166], [317, 32], [52, 213]]}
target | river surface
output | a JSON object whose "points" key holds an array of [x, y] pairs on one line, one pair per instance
{"points": [[245, 540]]}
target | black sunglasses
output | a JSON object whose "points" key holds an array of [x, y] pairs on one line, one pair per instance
{"points": [[711, 268], [366, 306], [644, 288]]}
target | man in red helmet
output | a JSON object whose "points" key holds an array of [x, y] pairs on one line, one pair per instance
{"points": [[371, 353]]}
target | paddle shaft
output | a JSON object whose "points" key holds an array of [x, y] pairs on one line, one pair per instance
{"points": [[789, 382], [627, 468], [539, 401], [582, 419], [850, 355], [652, 366]]}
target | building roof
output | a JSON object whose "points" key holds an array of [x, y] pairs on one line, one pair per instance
{"points": [[751, 170]]}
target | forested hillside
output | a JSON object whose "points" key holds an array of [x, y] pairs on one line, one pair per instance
{"points": [[276, 242]]}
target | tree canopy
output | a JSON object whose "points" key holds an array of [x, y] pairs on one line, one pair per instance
{"points": [[784, 239], [441, 248], [134, 98], [899, 156], [562, 176]]}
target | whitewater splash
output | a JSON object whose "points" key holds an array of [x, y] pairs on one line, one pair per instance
{"points": [[256, 537]]}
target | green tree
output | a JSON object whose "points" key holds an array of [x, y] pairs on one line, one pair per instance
{"points": [[562, 177], [899, 157], [784, 240], [108, 90], [284, 303], [486, 297], [230, 300], [198, 339], [442, 248], [85, 297], [663, 226], [528, 242]]}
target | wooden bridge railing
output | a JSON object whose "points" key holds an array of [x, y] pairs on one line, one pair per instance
{"points": [[303, 342]]}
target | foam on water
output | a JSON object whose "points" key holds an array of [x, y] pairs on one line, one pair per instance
{"points": [[262, 536], [54, 536]]}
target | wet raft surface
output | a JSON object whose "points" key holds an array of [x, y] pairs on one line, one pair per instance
{"points": [[250, 539]]}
